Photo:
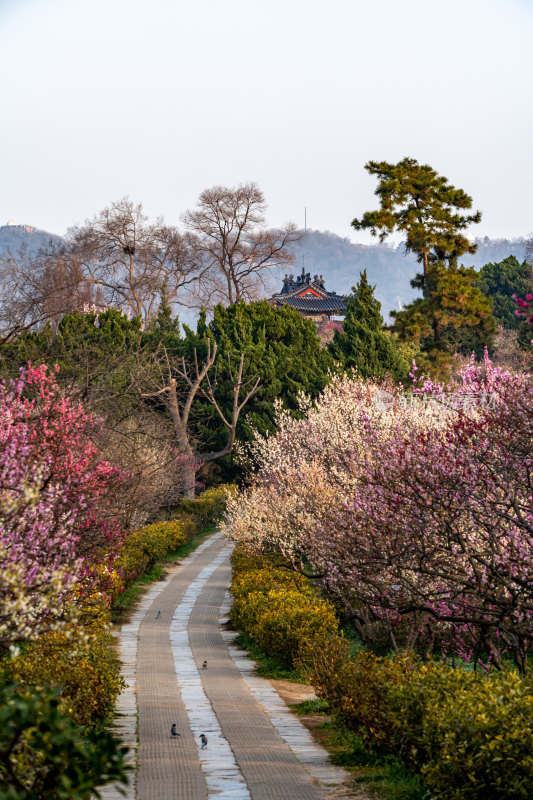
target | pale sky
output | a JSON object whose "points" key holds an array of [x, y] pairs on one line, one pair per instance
{"points": [[159, 99]]}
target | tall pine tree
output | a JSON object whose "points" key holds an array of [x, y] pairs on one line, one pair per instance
{"points": [[433, 216]]}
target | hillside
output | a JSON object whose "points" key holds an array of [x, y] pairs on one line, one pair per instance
{"points": [[13, 237], [340, 261], [320, 252]]}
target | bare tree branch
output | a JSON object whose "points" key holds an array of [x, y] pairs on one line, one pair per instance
{"points": [[237, 250], [179, 390]]}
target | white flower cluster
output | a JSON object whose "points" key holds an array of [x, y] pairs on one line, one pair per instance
{"points": [[298, 477]]}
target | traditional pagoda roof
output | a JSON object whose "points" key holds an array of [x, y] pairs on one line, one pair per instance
{"points": [[321, 305], [309, 296]]}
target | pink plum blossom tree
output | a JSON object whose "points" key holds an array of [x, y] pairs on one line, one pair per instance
{"points": [[416, 513], [53, 488]]}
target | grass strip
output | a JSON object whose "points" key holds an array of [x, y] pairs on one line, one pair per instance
{"points": [[385, 776], [266, 666]]}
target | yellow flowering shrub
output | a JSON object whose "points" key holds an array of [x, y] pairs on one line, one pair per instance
{"points": [[252, 579], [84, 667], [78, 659], [468, 734], [289, 620], [208, 506], [243, 561], [264, 580], [109, 581], [277, 608], [471, 735], [93, 604], [358, 687], [141, 549]]}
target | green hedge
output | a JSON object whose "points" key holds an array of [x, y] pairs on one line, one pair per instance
{"points": [[277, 609], [81, 663], [141, 549], [208, 507], [84, 667], [44, 755], [470, 735], [83, 671]]}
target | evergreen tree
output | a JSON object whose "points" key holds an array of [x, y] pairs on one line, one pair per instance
{"points": [[95, 352], [165, 321], [164, 329], [420, 203], [499, 282], [364, 344], [280, 346], [454, 317]]}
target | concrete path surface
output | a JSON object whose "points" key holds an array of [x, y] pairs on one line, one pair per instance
{"points": [[257, 750]]}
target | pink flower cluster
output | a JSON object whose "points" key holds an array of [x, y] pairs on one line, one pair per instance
{"points": [[52, 485], [419, 519], [524, 307]]}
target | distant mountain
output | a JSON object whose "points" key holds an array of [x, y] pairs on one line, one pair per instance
{"points": [[340, 261], [13, 237], [337, 259]]}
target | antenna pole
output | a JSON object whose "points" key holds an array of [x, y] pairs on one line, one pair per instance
{"points": [[305, 231]]}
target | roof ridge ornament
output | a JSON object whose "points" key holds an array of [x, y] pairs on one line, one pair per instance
{"points": [[309, 296]]}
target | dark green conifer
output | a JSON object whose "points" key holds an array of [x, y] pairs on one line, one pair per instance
{"points": [[364, 345], [432, 215]]}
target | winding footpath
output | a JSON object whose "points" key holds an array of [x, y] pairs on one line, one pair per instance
{"points": [[257, 749]]}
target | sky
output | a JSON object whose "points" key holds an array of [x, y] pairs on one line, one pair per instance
{"points": [[160, 99]]}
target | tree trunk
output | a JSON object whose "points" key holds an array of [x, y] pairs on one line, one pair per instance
{"points": [[189, 481], [425, 290]]}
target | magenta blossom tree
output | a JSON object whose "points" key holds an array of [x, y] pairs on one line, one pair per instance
{"points": [[437, 536], [524, 307], [53, 486], [416, 513]]}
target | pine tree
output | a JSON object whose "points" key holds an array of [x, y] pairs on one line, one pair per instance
{"points": [[417, 201], [429, 211], [455, 316], [364, 344], [164, 327]]}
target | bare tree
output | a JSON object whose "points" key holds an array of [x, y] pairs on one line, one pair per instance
{"points": [[41, 287], [178, 387], [143, 446], [528, 249], [130, 259], [236, 248], [508, 354], [119, 258]]}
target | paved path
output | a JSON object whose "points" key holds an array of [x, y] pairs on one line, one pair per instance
{"points": [[257, 750]]}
